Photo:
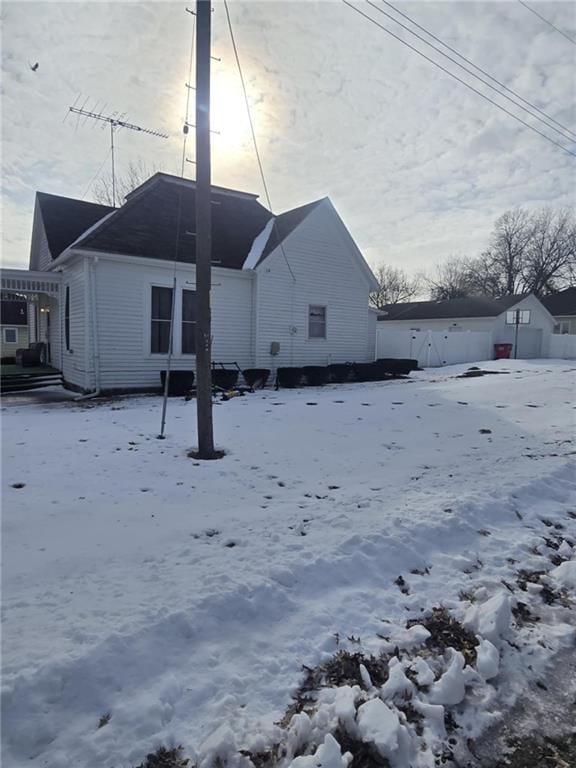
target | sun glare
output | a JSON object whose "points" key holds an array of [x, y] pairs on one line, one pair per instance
{"points": [[229, 117]]}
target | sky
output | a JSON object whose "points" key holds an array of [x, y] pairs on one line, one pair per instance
{"points": [[418, 166]]}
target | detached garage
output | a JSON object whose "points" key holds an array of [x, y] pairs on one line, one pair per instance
{"points": [[430, 330]]}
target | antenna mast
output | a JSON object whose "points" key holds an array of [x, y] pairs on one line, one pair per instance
{"points": [[115, 123]]}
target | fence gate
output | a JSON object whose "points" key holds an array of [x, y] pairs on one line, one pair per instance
{"points": [[434, 348]]}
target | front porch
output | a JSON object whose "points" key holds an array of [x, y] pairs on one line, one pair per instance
{"points": [[42, 291], [18, 378]]}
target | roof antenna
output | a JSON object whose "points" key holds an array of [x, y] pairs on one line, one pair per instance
{"points": [[115, 122]]}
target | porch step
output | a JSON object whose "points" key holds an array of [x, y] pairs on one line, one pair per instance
{"points": [[24, 383]]}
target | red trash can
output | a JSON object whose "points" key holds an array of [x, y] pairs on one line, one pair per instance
{"points": [[502, 351]]}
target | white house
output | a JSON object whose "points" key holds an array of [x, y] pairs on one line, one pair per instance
{"points": [[562, 306], [496, 317], [286, 290]]}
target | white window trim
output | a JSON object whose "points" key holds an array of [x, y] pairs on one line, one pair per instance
{"points": [[317, 338], [519, 310], [5, 340]]}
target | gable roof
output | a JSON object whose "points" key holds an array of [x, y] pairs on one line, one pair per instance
{"points": [[472, 306], [65, 219], [158, 221], [284, 224], [562, 303]]}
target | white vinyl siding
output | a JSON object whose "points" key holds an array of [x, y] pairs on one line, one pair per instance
{"points": [[325, 271], [20, 335], [123, 289], [74, 359]]}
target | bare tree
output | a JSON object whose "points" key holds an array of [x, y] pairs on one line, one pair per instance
{"points": [[506, 257], [136, 173], [452, 279], [395, 286], [550, 259]]}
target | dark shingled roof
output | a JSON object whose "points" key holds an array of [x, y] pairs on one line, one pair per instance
{"points": [[13, 312], [147, 223], [66, 219], [473, 306], [286, 223], [562, 303]]}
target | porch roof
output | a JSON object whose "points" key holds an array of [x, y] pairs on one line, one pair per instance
{"points": [[27, 281]]}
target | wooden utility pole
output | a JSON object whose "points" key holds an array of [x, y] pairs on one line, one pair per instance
{"points": [[203, 232]]}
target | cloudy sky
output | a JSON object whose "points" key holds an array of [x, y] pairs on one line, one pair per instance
{"points": [[417, 165]]}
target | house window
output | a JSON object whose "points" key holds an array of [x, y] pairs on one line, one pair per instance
{"points": [[67, 318], [188, 322], [160, 320], [522, 314], [10, 335], [316, 322], [562, 327]]}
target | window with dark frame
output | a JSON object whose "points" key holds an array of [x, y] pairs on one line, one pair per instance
{"points": [[10, 336], [67, 318], [188, 322], [316, 322], [160, 317]]}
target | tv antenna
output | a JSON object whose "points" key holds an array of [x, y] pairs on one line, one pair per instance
{"points": [[115, 122]]}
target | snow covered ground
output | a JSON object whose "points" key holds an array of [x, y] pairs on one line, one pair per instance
{"points": [[183, 598]]}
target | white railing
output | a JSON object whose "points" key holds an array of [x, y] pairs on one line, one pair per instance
{"points": [[435, 348], [26, 281]]}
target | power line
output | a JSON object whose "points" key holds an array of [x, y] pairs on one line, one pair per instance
{"points": [[98, 172], [570, 39], [188, 89], [460, 80], [236, 56], [469, 71], [494, 79]]}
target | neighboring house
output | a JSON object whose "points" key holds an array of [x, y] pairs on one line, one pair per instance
{"points": [[562, 306], [477, 313], [13, 326], [286, 290]]}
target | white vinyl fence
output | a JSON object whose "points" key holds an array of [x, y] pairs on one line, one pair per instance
{"points": [[435, 348], [562, 346]]}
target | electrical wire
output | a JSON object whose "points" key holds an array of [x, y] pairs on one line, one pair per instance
{"points": [[460, 80], [494, 79], [98, 172], [188, 93], [562, 133], [258, 158], [570, 39]]}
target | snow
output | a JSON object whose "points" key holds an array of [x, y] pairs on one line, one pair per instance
{"points": [[122, 593], [565, 574], [487, 659], [258, 246], [379, 724], [327, 755], [451, 688], [491, 619]]}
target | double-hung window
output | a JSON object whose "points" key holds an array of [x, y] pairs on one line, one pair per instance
{"points": [[316, 322], [188, 322], [518, 317], [161, 316]]}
